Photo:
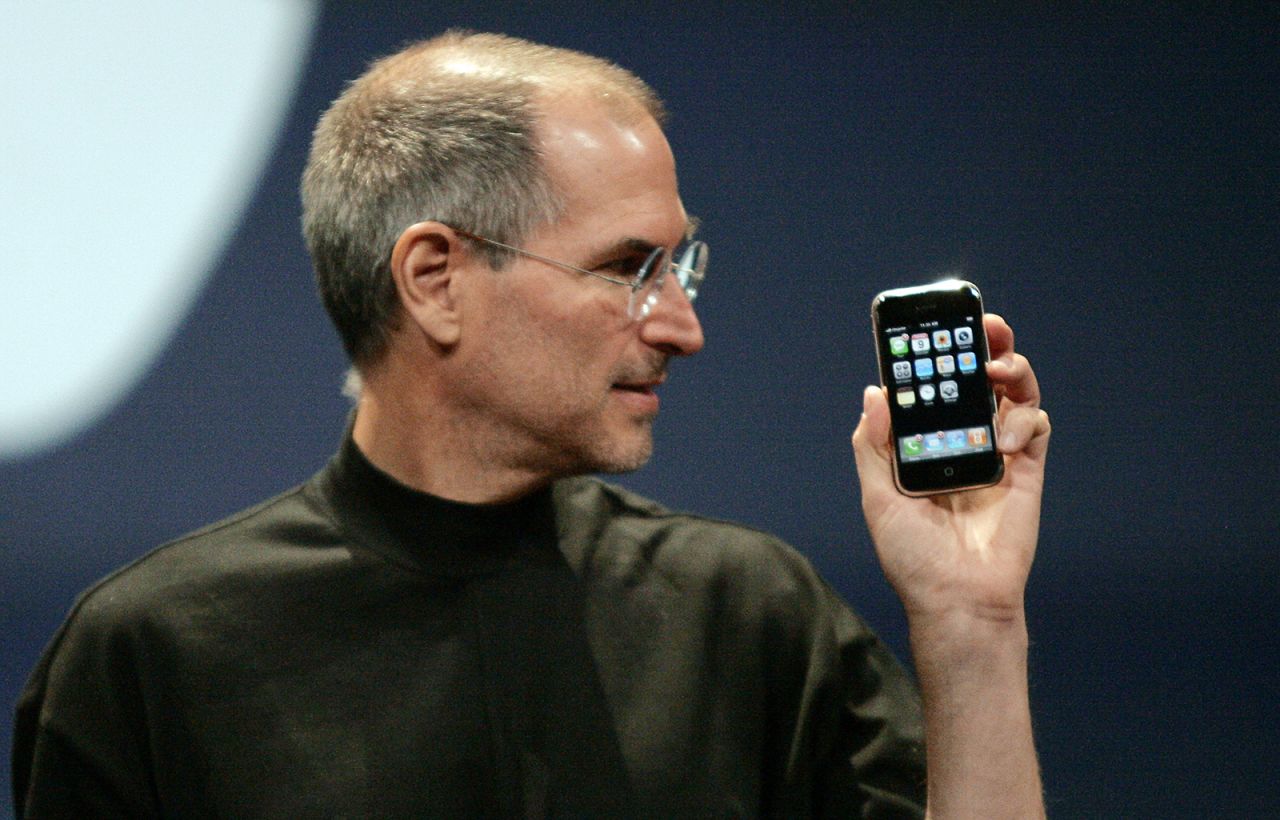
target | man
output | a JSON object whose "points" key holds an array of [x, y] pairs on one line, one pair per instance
{"points": [[449, 620]]}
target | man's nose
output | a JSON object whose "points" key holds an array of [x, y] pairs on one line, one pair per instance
{"points": [[672, 325]]}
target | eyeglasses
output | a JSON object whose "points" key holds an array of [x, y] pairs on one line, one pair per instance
{"points": [[644, 275]]}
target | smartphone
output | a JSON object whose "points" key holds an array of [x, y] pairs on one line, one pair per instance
{"points": [[933, 352]]}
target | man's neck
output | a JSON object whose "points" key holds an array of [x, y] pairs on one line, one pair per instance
{"points": [[423, 450]]}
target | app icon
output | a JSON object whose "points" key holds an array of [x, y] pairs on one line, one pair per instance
{"points": [[968, 362], [949, 389], [927, 392], [934, 441], [906, 396], [920, 342], [956, 440], [898, 345], [946, 365], [942, 339], [902, 370], [912, 445], [978, 437], [964, 336], [924, 368]]}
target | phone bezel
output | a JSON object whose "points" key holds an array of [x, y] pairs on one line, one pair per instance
{"points": [[906, 306]]}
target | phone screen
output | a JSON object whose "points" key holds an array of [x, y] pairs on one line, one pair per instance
{"points": [[933, 352]]}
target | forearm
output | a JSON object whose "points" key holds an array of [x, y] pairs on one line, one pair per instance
{"points": [[973, 679]]}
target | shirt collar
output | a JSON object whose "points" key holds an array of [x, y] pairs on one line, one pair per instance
{"points": [[429, 533]]}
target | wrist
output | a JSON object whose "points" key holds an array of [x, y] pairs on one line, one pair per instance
{"points": [[968, 634]]}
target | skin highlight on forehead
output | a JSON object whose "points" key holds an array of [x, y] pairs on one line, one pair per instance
{"points": [[545, 73], [586, 149]]}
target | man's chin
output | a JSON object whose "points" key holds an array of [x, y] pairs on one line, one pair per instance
{"points": [[625, 455], [611, 449], [623, 466]]}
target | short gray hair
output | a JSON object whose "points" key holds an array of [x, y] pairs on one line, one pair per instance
{"points": [[443, 130]]}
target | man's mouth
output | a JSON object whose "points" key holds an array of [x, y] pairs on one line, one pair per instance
{"points": [[637, 387], [641, 384], [640, 393]]}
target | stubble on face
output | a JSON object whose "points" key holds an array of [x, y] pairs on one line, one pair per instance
{"points": [[547, 392], [624, 455], [582, 423]]}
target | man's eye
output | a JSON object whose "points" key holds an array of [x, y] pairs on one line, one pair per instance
{"points": [[626, 269]]}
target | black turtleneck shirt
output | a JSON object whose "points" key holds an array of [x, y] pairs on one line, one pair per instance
{"points": [[355, 648]]}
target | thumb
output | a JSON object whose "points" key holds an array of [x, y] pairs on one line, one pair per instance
{"points": [[871, 450]]}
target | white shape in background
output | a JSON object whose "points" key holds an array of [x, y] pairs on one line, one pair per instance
{"points": [[132, 136]]}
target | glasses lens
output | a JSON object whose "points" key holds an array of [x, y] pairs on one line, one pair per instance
{"points": [[689, 272], [647, 284], [692, 268]]}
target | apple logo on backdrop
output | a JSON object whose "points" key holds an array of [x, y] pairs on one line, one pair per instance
{"points": [[134, 135]]}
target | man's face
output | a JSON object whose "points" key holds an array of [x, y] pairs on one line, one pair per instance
{"points": [[560, 378]]}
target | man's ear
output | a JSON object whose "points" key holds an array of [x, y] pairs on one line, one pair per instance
{"points": [[424, 266]]}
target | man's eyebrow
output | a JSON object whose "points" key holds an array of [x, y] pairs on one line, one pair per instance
{"points": [[623, 247], [636, 245]]}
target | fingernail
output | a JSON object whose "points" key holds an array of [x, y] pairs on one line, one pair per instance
{"points": [[1007, 442]]}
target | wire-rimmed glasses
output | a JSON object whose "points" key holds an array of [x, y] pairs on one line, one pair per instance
{"points": [[644, 280]]}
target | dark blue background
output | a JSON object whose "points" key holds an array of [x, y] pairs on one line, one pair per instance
{"points": [[1111, 184]]}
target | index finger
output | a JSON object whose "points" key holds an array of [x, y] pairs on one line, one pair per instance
{"points": [[1010, 373], [999, 335], [1013, 378]]}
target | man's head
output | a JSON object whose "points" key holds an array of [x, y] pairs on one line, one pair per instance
{"points": [[445, 130], [491, 356]]}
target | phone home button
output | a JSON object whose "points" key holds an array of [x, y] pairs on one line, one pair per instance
{"points": [[948, 471]]}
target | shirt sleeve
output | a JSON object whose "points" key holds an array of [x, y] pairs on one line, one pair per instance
{"points": [[877, 754], [857, 743], [79, 746]]}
